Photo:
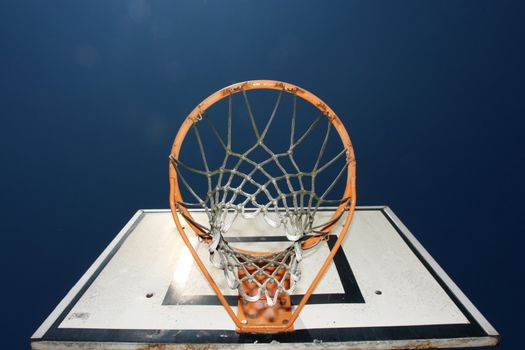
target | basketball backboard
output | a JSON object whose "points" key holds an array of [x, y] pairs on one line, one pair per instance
{"points": [[382, 291]]}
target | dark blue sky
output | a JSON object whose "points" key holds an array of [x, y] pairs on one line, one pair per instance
{"points": [[93, 92]]}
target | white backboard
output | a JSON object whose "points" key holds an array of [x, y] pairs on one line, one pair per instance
{"points": [[383, 291]]}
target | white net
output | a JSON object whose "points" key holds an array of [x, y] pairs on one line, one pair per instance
{"points": [[248, 185]]}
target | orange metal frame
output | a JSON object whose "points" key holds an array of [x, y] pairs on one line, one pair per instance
{"points": [[175, 195]]}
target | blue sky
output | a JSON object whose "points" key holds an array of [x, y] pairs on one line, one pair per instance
{"points": [[92, 94]]}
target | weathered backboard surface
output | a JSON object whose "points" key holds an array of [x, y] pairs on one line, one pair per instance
{"points": [[383, 291]]}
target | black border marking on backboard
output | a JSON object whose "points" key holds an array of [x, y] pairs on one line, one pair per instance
{"points": [[54, 328], [351, 292], [435, 275], [440, 331], [325, 335]]}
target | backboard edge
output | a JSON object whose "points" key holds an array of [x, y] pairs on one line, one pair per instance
{"points": [[483, 322], [44, 327]]}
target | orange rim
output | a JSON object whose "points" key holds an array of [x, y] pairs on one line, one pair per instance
{"points": [[176, 197]]}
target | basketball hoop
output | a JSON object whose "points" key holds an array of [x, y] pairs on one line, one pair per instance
{"points": [[287, 200]]}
